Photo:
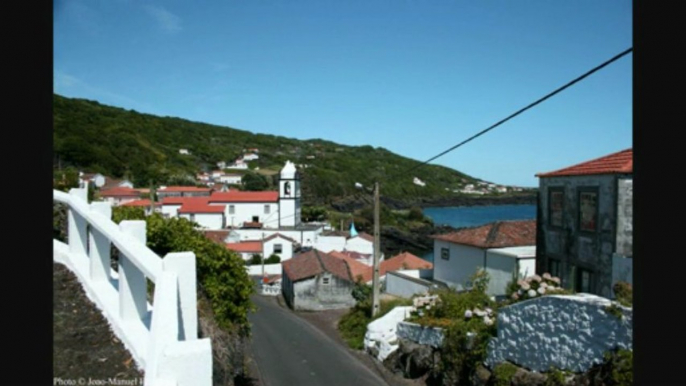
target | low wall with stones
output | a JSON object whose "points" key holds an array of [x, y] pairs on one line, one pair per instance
{"points": [[565, 332], [431, 336]]}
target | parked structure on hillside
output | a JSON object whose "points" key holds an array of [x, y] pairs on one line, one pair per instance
{"points": [[315, 281], [458, 255], [585, 217]]}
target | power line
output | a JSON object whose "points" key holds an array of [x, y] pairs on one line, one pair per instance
{"points": [[569, 84]]}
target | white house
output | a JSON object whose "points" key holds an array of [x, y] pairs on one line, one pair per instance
{"points": [[120, 195], [502, 264], [231, 179], [330, 243], [184, 151], [501, 189], [97, 179], [280, 245], [246, 248], [221, 165], [256, 209], [182, 191], [217, 173], [363, 243], [419, 182], [250, 157], [206, 216], [239, 164], [458, 255]]}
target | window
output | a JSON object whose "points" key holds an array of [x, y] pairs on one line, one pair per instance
{"points": [[584, 281], [255, 219], [266, 209], [588, 211], [554, 267], [192, 216], [232, 209], [325, 281], [556, 203], [445, 253], [278, 248]]}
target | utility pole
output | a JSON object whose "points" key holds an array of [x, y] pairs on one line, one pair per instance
{"points": [[377, 240], [262, 255]]}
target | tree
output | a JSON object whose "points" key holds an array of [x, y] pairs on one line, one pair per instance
{"points": [[416, 214], [255, 259], [254, 182]]}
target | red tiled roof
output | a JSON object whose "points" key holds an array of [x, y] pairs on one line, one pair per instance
{"points": [[237, 196], [246, 246], [120, 192], [404, 260], [183, 189], [620, 162], [314, 262], [499, 234], [200, 207], [357, 269], [217, 236], [282, 236], [143, 203], [183, 200]]}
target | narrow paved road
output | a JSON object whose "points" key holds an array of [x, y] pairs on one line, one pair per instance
{"points": [[291, 352]]}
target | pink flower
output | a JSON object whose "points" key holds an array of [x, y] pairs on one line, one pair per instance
{"points": [[526, 286], [547, 276], [536, 278], [515, 296], [556, 280]]}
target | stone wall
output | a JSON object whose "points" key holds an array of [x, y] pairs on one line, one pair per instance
{"points": [[431, 336], [565, 332]]}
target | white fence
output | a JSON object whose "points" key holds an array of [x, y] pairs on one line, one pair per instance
{"points": [[163, 337]]}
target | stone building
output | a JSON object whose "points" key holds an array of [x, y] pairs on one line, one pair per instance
{"points": [[585, 223], [315, 281]]}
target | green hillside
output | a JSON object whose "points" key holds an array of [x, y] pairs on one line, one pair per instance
{"points": [[145, 148]]}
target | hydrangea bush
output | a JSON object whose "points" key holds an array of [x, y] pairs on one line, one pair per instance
{"points": [[534, 286]]}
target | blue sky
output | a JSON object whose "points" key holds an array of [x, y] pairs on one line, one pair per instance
{"points": [[414, 77]]}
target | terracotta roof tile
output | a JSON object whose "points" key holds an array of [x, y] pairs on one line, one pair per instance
{"points": [[237, 196], [200, 207], [120, 192], [217, 236], [402, 261], [357, 269], [183, 200], [183, 189], [143, 203], [499, 234], [314, 262], [246, 246], [615, 163]]}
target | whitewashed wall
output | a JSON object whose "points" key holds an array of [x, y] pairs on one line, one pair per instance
{"points": [[330, 243], [211, 221], [269, 269], [359, 245], [230, 179], [462, 264], [566, 332], [622, 269], [256, 234], [245, 211], [286, 247], [381, 333], [170, 210], [403, 286]]}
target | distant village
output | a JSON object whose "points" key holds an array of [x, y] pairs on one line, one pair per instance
{"points": [[580, 242]]}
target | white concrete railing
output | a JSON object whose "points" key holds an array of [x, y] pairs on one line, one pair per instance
{"points": [[162, 337]]}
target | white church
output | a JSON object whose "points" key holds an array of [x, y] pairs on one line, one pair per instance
{"points": [[251, 216]]}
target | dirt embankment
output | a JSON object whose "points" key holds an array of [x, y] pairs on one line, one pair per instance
{"points": [[84, 347]]}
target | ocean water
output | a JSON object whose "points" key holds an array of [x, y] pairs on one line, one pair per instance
{"points": [[469, 216]]}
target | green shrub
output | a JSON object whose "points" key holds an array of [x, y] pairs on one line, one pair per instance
{"points": [[273, 259], [555, 377], [255, 259], [503, 373], [623, 293]]}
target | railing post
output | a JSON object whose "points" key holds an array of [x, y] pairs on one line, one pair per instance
{"points": [[183, 264], [77, 234], [164, 327], [100, 245], [132, 283]]}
